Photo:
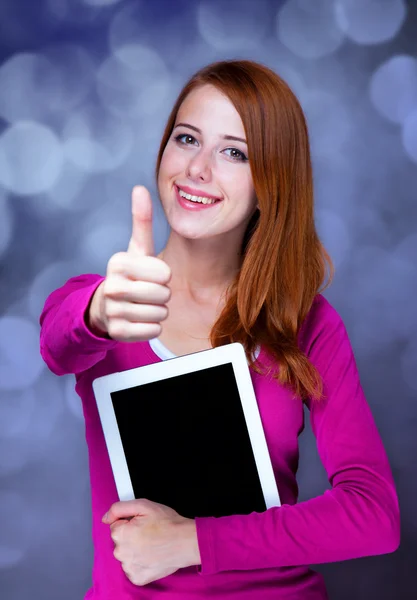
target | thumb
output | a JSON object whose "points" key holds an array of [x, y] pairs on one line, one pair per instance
{"points": [[124, 509], [141, 241]]}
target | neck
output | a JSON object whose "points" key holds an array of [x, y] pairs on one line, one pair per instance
{"points": [[201, 269]]}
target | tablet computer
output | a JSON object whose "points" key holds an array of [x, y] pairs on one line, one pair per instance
{"points": [[186, 432]]}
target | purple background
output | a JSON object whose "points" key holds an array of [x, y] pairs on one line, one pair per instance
{"points": [[85, 89]]}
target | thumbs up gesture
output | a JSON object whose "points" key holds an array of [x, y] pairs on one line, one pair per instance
{"points": [[131, 302]]}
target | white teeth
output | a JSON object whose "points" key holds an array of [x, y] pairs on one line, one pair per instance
{"points": [[196, 198]]}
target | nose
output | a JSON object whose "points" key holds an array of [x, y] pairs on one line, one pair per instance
{"points": [[199, 167]]}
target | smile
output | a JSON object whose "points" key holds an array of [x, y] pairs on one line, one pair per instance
{"points": [[201, 199], [190, 201]]}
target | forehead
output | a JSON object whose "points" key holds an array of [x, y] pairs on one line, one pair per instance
{"points": [[207, 104]]}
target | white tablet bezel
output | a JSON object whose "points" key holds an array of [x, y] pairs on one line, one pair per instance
{"points": [[230, 353]]}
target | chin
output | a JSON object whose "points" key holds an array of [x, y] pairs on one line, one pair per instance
{"points": [[186, 233]]}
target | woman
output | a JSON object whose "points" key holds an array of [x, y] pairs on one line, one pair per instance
{"points": [[243, 263]]}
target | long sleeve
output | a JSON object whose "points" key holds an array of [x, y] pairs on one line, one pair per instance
{"points": [[66, 343], [358, 516]]}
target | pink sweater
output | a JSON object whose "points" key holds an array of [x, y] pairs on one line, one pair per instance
{"points": [[260, 555]]}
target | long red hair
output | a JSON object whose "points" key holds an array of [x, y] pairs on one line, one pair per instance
{"points": [[284, 264]]}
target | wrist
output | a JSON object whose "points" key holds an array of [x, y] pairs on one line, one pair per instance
{"points": [[190, 536], [93, 320]]}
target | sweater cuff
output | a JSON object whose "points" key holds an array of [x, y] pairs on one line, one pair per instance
{"points": [[206, 546], [81, 300]]}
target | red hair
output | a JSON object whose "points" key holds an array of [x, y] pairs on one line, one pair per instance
{"points": [[284, 263]]}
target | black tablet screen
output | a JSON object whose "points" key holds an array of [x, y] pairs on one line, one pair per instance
{"points": [[187, 444]]}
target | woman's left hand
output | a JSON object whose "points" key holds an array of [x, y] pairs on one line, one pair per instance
{"points": [[151, 539]]}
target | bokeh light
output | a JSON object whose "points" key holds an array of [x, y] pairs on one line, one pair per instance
{"points": [[26, 82], [96, 141], [104, 233], [370, 21], [20, 363], [409, 135], [31, 158], [385, 280], [235, 24], [133, 81], [66, 192], [15, 533], [49, 413], [53, 276], [334, 234], [37, 86], [393, 88], [16, 412], [329, 124], [76, 68], [175, 37], [309, 29], [27, 437]]}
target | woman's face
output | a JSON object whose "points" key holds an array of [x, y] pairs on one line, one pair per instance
{"points": [[201, 159]]}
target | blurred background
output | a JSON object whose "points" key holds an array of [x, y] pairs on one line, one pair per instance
{"points": [[85, 89]]}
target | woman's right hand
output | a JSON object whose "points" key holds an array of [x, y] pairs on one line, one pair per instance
{"points": [[131, 301]]}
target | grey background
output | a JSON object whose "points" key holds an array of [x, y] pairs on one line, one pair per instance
{"points": [[85, 89]]}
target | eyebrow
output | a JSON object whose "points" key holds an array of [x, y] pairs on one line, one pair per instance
{"points": [[225, 137]]}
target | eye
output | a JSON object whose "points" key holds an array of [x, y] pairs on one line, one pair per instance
{"points": [[185, 138], [236, 154]]}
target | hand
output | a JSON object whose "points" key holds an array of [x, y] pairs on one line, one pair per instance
{"points": [[151, 540], [131, 302]]}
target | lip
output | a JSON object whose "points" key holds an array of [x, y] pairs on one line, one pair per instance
{"points": [[193, 206], [194, 192]]}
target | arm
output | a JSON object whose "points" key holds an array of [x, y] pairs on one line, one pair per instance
{"points": [[358, 517], [68, 343]]}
